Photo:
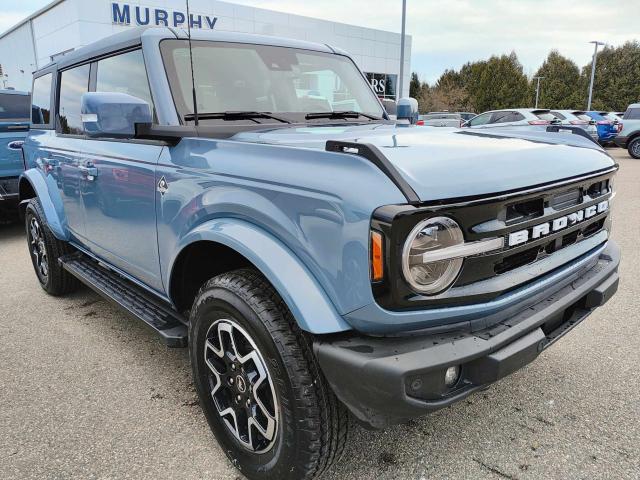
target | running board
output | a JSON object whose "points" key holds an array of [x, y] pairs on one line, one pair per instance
{"points": [[162, 319]]}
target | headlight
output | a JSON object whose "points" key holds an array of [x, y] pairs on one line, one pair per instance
{"points": [[429, 236]]}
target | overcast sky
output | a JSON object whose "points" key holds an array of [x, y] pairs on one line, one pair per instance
{"points": [[447, 34]]}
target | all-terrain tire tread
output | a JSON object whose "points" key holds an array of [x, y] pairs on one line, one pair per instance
{"points": [[326, 419]]}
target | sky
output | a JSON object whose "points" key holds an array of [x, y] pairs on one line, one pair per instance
{"points": [[447, 34]]}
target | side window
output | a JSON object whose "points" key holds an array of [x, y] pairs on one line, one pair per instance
{"points": [[41, 100], [73, 84], [124, 73], [559, 115], [503, 117], [632, 114], [14, 107], [480, 120]]}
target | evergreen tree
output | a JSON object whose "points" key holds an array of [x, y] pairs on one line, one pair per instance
{"points": [[617, 78], [561, 87], [414, 86]]}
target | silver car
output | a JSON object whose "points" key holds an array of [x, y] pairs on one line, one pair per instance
{"points": [[513, 117], [578, 118], [441, 119]]}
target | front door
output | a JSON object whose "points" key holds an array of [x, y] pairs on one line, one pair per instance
{"points": [[119, 198], [119, 206]]}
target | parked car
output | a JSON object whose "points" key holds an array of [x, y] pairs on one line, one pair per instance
{"points": [[15, 110], [578, 118], [607, 130], [441, 119], [629, 136], [613, 117], [315, 261], [513, 117]]}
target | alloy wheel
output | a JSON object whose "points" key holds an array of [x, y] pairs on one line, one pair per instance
{"points": [[38, 248], [635, 148], [241, 386]]}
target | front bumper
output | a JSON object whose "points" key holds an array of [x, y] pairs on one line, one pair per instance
{"points": [[387, 380]]}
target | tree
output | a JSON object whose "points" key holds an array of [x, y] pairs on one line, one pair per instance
{"points": [[502, 84], [414, 85], [561, 86], [616, 83]]}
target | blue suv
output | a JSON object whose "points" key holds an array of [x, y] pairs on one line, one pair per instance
{"points": [[15, 110], [607, 130], [248, 198]]}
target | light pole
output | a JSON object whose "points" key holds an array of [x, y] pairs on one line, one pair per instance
{"points": [[537, 89], [593, 70], [404, 20]]}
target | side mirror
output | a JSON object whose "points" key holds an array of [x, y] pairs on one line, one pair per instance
{"points": [[391, 107], [408, 110], [113, 115]]}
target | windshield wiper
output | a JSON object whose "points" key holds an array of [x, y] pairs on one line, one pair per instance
{"points": [[340, 114], [235, 115]]}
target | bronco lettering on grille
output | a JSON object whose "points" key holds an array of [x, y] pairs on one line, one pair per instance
{"points": [[542, 229]]}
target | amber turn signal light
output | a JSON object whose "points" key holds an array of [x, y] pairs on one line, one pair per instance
{"points": [[376, 257]]}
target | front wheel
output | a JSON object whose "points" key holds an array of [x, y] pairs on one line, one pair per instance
{"points": [[634, 147], [260, 386]]}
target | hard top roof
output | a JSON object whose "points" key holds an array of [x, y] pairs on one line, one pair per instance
{"points": [[133, 37]]}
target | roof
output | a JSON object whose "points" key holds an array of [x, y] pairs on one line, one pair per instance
{"points": [[133, 37], [49, 6], [127, 38]]}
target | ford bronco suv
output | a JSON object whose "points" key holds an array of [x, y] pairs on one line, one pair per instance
{"points": [[247, 197], [629, 136], [15, 108]]}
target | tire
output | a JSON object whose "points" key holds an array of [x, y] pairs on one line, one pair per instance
{"points": [[45, 250], [634, 148], [303, 426]]}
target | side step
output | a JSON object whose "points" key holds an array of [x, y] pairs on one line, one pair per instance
{"points": [[156, 314]]}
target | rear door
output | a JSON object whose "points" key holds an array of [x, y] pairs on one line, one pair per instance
{"points": [[119, 199], [62, 150]]}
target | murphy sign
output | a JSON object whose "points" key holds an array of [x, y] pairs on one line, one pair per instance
{"points": [[125, 14]]}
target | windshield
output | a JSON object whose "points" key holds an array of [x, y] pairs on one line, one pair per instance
{"points": [[15, 108], [233, 77]]}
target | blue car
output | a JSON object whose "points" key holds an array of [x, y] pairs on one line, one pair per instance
{"points": [[15, 108], [607, 130], [318, 260]]}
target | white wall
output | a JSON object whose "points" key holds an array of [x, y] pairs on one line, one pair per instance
{"points": [[17, 58], [75, 23]]}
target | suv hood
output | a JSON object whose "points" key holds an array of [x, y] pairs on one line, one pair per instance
{"points": [[444, 163]]}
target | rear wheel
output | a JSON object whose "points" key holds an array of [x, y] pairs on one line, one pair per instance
{"points": [[634, 147], [260, 386], [45, 250]]}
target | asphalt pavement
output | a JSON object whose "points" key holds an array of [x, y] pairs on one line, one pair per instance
{"points": [[87, 392]]}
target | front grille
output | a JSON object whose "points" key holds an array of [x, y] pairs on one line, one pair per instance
{"points": [[574, 203]]}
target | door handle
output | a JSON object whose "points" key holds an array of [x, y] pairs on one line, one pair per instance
{"points": [[15, 145]]}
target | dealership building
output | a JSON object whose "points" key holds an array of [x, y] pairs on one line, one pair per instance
{"points": [[65, 25]]}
